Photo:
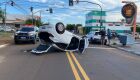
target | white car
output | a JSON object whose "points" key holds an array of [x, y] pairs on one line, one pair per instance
{"points": [[90, 35], [56, 36], [97, 38]]}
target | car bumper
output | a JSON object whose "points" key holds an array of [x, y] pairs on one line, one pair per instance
{"points": [[24, 38], [96, 40]]}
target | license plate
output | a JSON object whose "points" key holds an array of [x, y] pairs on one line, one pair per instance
{"points": [[23, 37]]}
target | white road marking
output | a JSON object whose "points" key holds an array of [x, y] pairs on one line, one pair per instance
{"points": [[99, 48], [4, 45]]}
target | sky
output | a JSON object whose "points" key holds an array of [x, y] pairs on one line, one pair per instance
{"points": [[62, 12]]}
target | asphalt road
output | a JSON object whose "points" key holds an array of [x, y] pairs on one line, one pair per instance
{"points": [[97, 63]]}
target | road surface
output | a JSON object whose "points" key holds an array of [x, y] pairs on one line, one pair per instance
{"points": [[97, 63]]}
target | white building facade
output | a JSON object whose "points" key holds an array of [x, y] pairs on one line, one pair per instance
{"points": [[93, 20]]}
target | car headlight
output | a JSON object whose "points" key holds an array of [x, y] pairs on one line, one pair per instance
{"points": [[16, 34], [31, 34]]}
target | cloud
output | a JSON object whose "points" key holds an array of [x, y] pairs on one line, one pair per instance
{"points": [[78, 11], [113, 17], [57, 18], [43, 1]]}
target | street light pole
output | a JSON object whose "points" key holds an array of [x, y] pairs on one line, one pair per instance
{"points": [[95, 4], [5, 16], [31, 9], [40, 16], [32, 18]]}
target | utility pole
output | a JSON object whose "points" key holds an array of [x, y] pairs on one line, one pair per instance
{"points": [[5, 16], [40, 16]]}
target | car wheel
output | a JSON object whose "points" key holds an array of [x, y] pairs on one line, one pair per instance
{"points": [[16, 42], [123, 44], [60, 28], [34, 41], [92, 41]]}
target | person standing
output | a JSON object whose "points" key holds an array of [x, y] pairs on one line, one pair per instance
{"points": [[108, 36], [103, 34]]}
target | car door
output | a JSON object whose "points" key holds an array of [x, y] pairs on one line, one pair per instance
{"points": [[83, 44]]}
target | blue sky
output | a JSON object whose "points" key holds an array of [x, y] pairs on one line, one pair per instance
{"points": [[62, 12]]}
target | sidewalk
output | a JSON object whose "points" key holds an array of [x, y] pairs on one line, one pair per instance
{"points": [[135, 48]]}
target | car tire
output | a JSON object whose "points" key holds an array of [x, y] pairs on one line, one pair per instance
{"points": [[60, 28], [34, 41], [124, 44], [91, 39], [16, 42]]}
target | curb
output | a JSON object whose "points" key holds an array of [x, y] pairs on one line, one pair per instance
{"points": [[130, 51]]}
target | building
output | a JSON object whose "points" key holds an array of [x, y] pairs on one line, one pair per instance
{"points": [[93, 20], [15, 20]]}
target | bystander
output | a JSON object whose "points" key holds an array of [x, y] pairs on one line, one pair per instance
{"points": [[103, 34]]}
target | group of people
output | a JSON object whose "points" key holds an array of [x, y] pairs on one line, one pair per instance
{"points": [[103, 35]]}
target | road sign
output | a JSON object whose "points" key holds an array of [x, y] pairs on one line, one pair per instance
{"points": [[128, 10], [70, 2], [31, 9], [51, 10]]}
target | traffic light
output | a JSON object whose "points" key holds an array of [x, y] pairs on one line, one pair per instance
{"points": [[12, 3], [70, 2], [77, 1], [31, 9], [50, 9]]}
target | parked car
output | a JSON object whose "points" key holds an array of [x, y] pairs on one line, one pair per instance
{"points": [[26, 34], [1, 28], [97, 38], [9, 29], [90, 35]]}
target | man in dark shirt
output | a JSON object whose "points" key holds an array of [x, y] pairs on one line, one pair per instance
{"points": [[103, 34]]}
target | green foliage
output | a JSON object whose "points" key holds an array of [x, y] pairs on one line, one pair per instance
{"points": [[35, 22], [78, 25], [137, 29], [70, 27], [84, 30], [73, 26], [2, 15]]}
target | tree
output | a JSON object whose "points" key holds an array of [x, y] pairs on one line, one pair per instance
{"points": [[70, 27], [137, 29], [35, 22], [2, 15], [78, 25]]}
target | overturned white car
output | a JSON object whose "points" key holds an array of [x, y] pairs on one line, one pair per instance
{"points": [[56, 36]]}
